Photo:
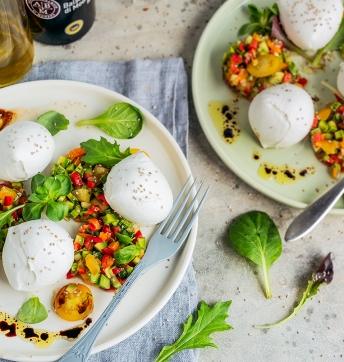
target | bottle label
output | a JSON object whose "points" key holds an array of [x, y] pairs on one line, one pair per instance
{"points": [[74, 27], [44, 9]]}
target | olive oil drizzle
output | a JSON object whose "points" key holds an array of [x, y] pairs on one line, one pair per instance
{"points": [[12, 327]]}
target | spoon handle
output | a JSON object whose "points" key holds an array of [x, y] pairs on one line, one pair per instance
{"points": [[314, 213]]}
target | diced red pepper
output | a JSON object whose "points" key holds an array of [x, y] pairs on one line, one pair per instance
{"points": [[138, 234], [241, 46], [87, 175], [90, 184], [102, 198], [81, 270], [317, 137], [236, 58], [335, 158], [94, 224], [93, 209], [287, 77], [15, 215], [253, 45], [107, 261], [303, 81], [70, 275], [106, 229], [122, 281], [115, 229], [341, 109], [88, 243], [76, 179], [8, 201], [315, 122], [107, 251], [247, 91], [117, 270], [77, 246]]}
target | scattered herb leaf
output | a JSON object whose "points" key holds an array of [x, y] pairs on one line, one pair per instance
{"points": [[197, 335], [103, 152], [122, 120], [336, 43], [255, 236], [324, 274], [5, 217], [32, 311], [128, 253], [53, 121], [45, 191], [260, 20]]}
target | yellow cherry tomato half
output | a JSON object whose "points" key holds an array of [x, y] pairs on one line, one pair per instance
{"points": [[135, 150], [74, 302], [268, 64]]}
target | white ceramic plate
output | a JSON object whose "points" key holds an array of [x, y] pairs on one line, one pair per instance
{"points": [[207, 85], [79, 101]]}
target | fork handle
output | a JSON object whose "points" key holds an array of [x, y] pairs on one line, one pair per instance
{"points": [[81, 350]]}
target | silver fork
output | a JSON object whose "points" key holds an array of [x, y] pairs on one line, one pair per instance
{"points": [[160, 247]]}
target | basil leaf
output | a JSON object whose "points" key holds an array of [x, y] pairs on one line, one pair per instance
{"points": [[65, 184], [197, 335], [32, 311], [5, 217], [125, 239], [53, 121], [53, 187], [56, 211], [37, 181], [255, 236], [127, 254], [33, 211], [103, 152], [324, 274], [122, 120]]}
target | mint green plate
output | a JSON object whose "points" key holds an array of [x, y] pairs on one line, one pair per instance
{"points": [[207, 85]]}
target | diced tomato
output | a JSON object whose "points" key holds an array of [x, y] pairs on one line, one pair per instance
{"points": [[287, 77], [320, 155], [247, 91], [317, 137], [138, 234], [87, 175], [241, 46], [88, 243], [104, 236], [70, 275], [15, 215], [303, 81], [81, 269], [106, 229], [8, 200], [114, 246], [93, 210], [335, 158], [236, 58], [77, 246], [94, 224], [76, 179], [115, 229], [107, 261], [117, 270], [253, 45], [341, 109], [90, 184], [315, 122], [102, 198], [107, 251]]}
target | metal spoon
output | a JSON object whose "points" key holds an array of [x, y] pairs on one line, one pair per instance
{"points": [[314, 213]]}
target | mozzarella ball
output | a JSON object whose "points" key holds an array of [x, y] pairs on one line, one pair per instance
{"points": [[281, 116], [340, 79], [37, 254], [138, 190], [310, 24], [26, 149]]}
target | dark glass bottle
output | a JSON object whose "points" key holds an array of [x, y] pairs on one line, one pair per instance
{"points": [[58, 22]]}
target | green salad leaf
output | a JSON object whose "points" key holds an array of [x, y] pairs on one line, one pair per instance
{"points": [[127, 254], [53, 121], [336, 43], [197, 335], [260, 20], [122, 120], [45, 191], [255, 236], [324, 274], [32, 311], [5, 216], [103, 152]]}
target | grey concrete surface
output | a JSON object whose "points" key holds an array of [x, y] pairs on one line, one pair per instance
{"points": [[150, 29]]}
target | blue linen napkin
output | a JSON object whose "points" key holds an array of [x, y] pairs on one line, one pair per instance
{"points": [[160, 86]]}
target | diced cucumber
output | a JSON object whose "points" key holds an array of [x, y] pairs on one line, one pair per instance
{"points": [[79, 239], [63, 161], [108, 272], [80, 169], [104, 282], [103, 178], [115, 282], [6, 208], [72, 197], [77, 256], [61, 198], [98, 254], [323, 126], [339, 134], [276, 78], [70, 168], [315, 131], [82, 195], [142, 242], [337, 118], [263, 48], [58, 170], [85, 205], [110, 219], [335, 106], [70, 205], [100, 246], [85, 253], [332, 126], [94, 278], [328, 136], [74, 267], [325, 158], [17, 184], [136, 260], [248, 40], [125, 223], [129, 269]]}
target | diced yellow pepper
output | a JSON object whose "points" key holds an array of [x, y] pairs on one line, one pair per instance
{"points": [[328, 146], [323, 114], [92, 264]]}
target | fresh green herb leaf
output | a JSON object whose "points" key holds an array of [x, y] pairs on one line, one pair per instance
{"points": [[255, 236], [122, 120], [5, 217], [53, 121], [56, 211], [32, 311], [37, 181], [33, 211], [124, 239], [65, 184], [197, 335], [39, 197], [335, 44], [324, 274], [260, 20], [103, 152], [127, 254]]}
